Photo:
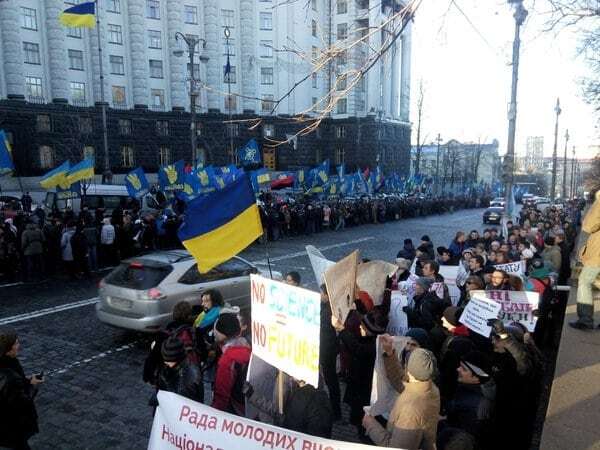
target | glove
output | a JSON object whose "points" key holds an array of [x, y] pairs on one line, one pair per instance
{"points": [[497, 326]]}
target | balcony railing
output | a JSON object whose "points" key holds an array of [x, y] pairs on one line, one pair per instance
{"points": [[37, 99], [81, 103], [120, 105], [157, 107]]}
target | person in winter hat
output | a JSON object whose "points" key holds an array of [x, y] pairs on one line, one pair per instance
{"points": [[178, 375]]}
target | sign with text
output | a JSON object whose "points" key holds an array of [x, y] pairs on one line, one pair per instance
{"points": [[398, 321], [285, 327], [514, 268], [516, 306], [185, 424], [340, 280], [477, 312]]}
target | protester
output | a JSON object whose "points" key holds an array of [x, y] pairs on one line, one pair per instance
{"points": [[178, 375], [408, 250], [307, 410], [212, 303], [292, 278], [107, 243], [32, 245], [18, 415], [328, 352]]}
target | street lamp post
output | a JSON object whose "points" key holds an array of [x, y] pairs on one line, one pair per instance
{"points": [[519, 15], [557, 110], [192, 43], [227, 33], [564, 183], [573, 186], [437, 164]]}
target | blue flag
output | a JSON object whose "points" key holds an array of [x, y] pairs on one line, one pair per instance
{"points": [[341, 170], [66, 193], [6, 163], [249, 154], [137, 183], [207, 180], [171, 176], [258, 177]]}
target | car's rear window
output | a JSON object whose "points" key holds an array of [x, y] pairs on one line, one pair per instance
{"points": [[138, 275]]}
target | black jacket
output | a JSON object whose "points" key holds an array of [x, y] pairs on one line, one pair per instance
{"points": [[18, 417], [362, 351], [307, 410], [472, 408], [427, 311], [184, 379], [328, 343]]}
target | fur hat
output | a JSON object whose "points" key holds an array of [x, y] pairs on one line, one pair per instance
{"points": [[172, 350]]}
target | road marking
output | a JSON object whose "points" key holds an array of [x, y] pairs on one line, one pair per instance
{"points": [[303, 252], [11, 284], [46, 311]]}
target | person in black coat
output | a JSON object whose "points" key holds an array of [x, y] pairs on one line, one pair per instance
{"points": [[18, 416], [408, 250], [428, 307], [363, 351], [307, 411], [178, 375], [328, 351]]}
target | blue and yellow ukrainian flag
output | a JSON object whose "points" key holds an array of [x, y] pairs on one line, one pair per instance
{"points": [[6, 163], [220, 225], [56, 176], [82, 15], [81, 171]]}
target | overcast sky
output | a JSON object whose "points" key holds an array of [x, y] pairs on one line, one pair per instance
{"points": [[466, 73]]}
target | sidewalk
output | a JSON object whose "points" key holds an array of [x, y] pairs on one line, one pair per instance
{"points": [[573, 415]]}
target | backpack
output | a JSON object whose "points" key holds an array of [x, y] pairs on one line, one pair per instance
{"points": [[237, 390], [187, 335]]}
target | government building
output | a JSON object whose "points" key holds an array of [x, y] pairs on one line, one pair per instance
{"points": [[290, 63]]}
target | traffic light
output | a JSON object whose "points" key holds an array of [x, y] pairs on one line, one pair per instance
{"points": [[507, 169]]}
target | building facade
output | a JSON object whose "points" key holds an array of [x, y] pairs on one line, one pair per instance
{"points": [[50, 84], [534, 153], [458, 163]]}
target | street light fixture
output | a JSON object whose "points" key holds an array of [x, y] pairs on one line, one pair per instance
{"points": [[191, 43], [227, 33]]}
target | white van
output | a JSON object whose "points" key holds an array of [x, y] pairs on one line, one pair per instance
{"points": [[107, 196]]}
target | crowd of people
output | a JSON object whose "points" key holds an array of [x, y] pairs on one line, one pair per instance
{"points": [[456, 389], [35, 245]]}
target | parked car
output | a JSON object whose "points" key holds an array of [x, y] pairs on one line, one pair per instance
{"points": [[528, 200], [542, 200], [141, 292], [493, 215], [498, 202]]}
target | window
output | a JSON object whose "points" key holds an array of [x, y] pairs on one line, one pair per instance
{"points": [[314, 28], [230, 103], [158, 98], [266, 21], [342, 106], [46, 157], [89, 152], [117, 66], [229, 78], [227, 18], [269, 130], [341, 82], [75, 60], [313, 4], [156, 68], [314, 101], [314, 54], [164, 156], [196, 70], [154, 39], [115, 34], [266, 75], [162, 127], [314, 77], [32, 52], [43, 122], [342, 6], [266, 49], [124, 127], [74, 32], [127, 156], [190, 14], [77, 92], [229, 269], [28, 18], [340, 131], [266, 105], [153, 9], [342, 58], [229, 48], [360, 85], [340, 155], [342, 31], [113, 6], [118, 95], [33, 86], [85, 125], [359, 104], [233, 129]]}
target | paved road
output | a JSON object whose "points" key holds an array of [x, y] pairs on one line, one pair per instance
{"points": [[93, 397]]}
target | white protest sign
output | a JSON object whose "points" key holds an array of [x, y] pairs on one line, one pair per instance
{"points": [[478, 311], [285, 327], [371, 277], [318, 262], [398, 321], [450, 274], [516, 306], [383, 394], [514, 268], [185, 424], [340, 280]]}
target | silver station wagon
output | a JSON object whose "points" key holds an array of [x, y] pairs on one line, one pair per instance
{"points": [[141, 292]]}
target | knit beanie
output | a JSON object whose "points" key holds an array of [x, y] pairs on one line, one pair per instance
{"points": [[425, 238], [425, 283], [452, 314], [421, 364], [419, 335], [8, 337], [228, 324], [172, 350]]}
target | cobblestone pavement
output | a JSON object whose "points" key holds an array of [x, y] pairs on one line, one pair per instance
{"points": [[94, 397]]}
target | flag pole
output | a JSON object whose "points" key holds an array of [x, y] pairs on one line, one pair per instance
{"points": [[102, 101]]}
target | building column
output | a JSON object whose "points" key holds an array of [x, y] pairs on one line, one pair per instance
{"points": [[96, 57], [177, 64], [248, 67], [12, 50], [214, 68], [57, 52], [405, 74], [136, 10], [395, 90]]}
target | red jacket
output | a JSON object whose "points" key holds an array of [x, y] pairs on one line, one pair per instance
{"points": [[230, 370]]}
